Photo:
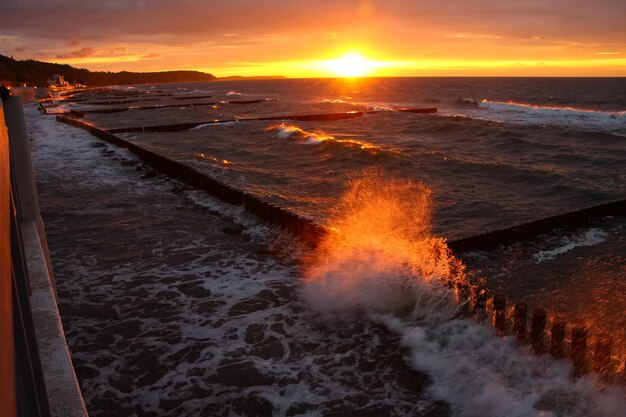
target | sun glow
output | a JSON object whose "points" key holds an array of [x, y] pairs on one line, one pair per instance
{"points": [[352, 64]]}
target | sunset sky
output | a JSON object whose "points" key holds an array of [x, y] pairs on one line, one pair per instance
{"points": [[298, 38]]}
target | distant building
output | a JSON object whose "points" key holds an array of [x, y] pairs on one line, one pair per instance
{"points": [[57, 80]]}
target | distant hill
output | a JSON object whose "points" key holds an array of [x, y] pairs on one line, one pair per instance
{"points": [[254, 77], [38, 73]]}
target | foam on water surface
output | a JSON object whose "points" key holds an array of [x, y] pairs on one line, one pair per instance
{"points": [[591, 237], [587, 119], [479, 374]]}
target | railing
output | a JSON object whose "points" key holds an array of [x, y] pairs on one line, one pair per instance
{"points": [[23, 390], [41, 381], [7, 347], [31, 392]]}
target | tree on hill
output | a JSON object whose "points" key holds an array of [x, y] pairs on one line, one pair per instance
{"points": [[37, 73]]}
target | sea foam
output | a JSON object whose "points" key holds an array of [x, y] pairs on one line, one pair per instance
{"points": [[591, 237], [586, 119]]}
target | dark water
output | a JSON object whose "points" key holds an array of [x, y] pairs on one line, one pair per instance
{"points": [[499, 152]]}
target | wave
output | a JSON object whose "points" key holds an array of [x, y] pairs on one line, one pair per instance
{"points": [[286, 131], [336, 101], [513, 106], [587, 119], [592, 237], [381, 255], [368, 106], [479, 374], [214, 159], [467, 102], [216, 123], [186, 91], [299, 135]]}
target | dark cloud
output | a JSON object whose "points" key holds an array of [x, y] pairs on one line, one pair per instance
{"points": [[73, 42], [81, 53], [574, 19], [117, 19], [180, 22], [193, 18], [19, 49]]}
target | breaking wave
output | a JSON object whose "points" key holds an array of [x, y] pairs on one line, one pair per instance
{"points": [[591, 237], [585, 119], [381, 254], [299, 135]]}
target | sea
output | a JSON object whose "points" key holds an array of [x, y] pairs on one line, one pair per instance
{"points": [[168, 311]]}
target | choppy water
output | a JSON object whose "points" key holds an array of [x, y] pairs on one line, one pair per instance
{"points": [[499, 152]]}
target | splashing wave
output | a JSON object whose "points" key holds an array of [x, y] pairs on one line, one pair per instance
{"points": [[381, 255]]}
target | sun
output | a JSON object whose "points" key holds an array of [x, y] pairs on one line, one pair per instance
{"points": [[352, 64]]}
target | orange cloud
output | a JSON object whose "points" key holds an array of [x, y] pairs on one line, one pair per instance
{"points": [[81, 53], [73, 42]]}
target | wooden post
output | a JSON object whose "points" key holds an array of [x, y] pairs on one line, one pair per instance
{"points": [[520, 318], [557, 337], [537, 330], [579, 349], [602, 354], [462, 291], [480, 304], [499, 308]]}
